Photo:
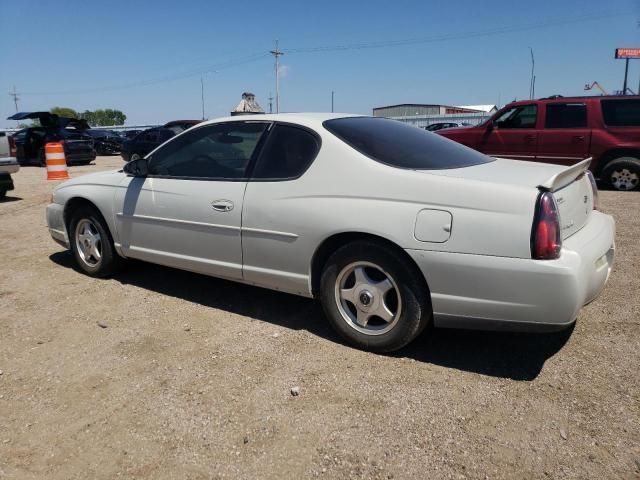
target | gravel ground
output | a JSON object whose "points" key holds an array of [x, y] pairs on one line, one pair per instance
{"points": [[159, 374]]}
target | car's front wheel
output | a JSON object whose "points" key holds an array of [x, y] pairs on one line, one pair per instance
{"points": [[374, 296], [91, 243]]}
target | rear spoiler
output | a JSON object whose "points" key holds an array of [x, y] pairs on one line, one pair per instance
{"points": [[566, 176]]}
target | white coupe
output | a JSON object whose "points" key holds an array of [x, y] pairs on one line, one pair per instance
{"points": [[389, 226]]}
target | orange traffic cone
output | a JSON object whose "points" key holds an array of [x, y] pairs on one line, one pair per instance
{"points": [[56, 163]]}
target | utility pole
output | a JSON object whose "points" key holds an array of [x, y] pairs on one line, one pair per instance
{"points": [[15, 96], [532, 83], [202, 95], [277, 54], [332, 92], [626, 73], [270, 103]]}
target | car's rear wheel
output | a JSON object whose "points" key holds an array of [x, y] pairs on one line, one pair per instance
{"points": [[374, 297], [623, 173], [3, 193], [91, 243]]}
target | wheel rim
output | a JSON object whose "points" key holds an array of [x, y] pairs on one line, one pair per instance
{"points": [[624, 179], [135, 156], [88, 243], [368, 298]]}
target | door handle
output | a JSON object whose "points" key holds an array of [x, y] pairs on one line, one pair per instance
{"points": [[222, 205], [578, 138], [529, 138]]}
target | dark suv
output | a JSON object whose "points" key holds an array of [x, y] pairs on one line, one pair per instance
{"points": [[149, 139], [27, 145], [565, 130], [105, 142]]}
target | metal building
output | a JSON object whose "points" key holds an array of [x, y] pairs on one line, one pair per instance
{"points": [[422, 115]]}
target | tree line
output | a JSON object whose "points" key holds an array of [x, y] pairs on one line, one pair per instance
{"points": [[95, 118]]}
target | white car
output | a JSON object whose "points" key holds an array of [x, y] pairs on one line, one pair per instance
{"points": [[8, 165], [390, 226]]}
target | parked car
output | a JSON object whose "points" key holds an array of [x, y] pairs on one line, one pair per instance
{"points": [[129, 133], [565, 131], [8, 165], [28, 143], [389, 226], [442, 125], [105, 142], [5, 150], [149, 139]]}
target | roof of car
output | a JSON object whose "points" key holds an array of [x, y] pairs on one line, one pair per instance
{"points": [[559, 98], [301, 117]]}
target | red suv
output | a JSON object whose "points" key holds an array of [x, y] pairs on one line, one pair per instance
{"points": [[565, 130]]}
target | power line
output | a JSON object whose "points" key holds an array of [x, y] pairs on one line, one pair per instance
{"points": [[169, 78], [454, 36], [340, 47]]}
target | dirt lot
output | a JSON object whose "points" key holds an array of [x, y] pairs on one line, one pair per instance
{"points": [[191, 377]]}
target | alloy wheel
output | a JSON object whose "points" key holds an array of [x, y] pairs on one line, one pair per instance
{"points": [[624, 179], [368, 298], [88, 242]]}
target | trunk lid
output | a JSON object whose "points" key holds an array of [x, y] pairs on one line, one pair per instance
{"points": [[570, 185], [46, 119]]}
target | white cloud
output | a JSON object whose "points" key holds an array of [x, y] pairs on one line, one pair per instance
{"points": [[284, 70]]}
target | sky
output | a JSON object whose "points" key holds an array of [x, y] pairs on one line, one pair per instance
{"points": [[147, 58]]}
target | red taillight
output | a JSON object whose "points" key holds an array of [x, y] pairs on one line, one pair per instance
{"points": [[546, 241], [594, 189], [12, 147]]}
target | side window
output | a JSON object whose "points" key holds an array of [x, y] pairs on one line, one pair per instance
{"points": [[151, 136], [287, 154], [566, 115], [523, 116], [213, 151], [621, 113], [166, 134]]}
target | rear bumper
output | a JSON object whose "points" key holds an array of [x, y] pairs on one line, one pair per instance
{"points": [[80, 157], [498, 293], [55, 222], [9, 165]]}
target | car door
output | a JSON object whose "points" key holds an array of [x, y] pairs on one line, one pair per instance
{"points": [[566, 135], [187, 212], [275, 248], [513, 134]]}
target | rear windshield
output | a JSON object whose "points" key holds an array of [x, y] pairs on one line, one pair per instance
{"points": [[621, 113], [404, 146]]}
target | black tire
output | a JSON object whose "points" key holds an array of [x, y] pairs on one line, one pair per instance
{"points": [[622, 174], [3, 193], [109, 262], [412, 298]]}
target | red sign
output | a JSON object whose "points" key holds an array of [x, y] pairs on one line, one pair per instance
{"points": [[627, 52]]}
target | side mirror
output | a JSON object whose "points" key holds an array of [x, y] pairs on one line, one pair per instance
{"points": [[137, 168]]}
